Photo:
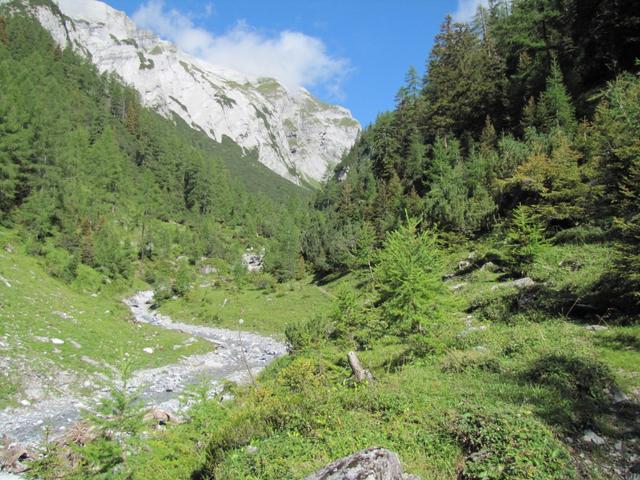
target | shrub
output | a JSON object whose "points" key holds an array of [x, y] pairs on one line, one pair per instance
{"points": [[263, 281], [508, 444], [307, 334], [61, 264], [582, 380], [525, 239], [579, 235], [183, 279], [87, 279]]}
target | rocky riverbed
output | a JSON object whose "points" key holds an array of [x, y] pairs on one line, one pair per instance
{"points": [[237, 357]]}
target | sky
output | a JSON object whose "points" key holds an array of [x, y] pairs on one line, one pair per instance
{"points": [[351, 52]]}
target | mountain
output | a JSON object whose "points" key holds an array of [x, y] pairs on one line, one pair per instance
{"points": [[293, 134]]}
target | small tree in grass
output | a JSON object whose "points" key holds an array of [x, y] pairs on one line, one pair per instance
{"points": [[412, 295], [525, 239]]}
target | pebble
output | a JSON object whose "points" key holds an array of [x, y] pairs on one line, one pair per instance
{"points": [[147, 350], [57, 341], [25, 403]]}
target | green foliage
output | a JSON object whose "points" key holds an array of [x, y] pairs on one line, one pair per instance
{"points": [[113, 436], [504, 444], [618, 152], [86, 168], [351, 322], [306, 334], [409, 281], [183, 279], [61, 265], [525, 239]]}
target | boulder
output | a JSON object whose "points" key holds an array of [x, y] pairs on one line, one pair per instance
{"points": [[596, 328], [208, 270], [464, 265], [590, 436], [158, 416], [520, 284], [253, 261], [371, 464], [489, 267]]}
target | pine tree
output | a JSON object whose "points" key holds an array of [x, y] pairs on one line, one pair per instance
{"points": [[618, 149], [558, 108], [409, 279]]}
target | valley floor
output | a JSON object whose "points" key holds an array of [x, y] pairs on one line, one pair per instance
{"points": [[565, 391]]}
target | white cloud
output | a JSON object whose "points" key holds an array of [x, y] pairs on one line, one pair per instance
{"points": [[467, 9], [292, 57]]}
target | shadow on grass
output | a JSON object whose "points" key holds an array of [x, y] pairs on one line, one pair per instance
{"points": [[618, 341], [569, 392]]}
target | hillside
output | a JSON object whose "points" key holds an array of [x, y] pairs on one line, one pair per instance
{"points": [[292, 133]]}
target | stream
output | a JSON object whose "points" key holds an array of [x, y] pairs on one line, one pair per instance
{"points": [[237, 356]]}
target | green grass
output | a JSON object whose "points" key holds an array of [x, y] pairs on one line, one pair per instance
{"points": [[535, 378], [518, 388], [263, 311], [36, 307]]}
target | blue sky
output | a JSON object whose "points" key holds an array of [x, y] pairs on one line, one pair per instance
{"points": [[352, 52]]}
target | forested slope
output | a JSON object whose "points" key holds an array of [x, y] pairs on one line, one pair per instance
{"points": [[529, 114], [85, 168]]}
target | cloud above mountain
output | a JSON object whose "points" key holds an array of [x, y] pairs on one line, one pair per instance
{"points": [[294, 58], [467, 9]]}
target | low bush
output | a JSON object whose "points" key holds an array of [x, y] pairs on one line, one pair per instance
{"points": [[307, 334], [584, 381], [87, 279], [580, 234], [61, 264], [263, 281], [506, 444]]}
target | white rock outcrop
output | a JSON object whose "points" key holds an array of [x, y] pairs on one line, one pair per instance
{"points": [[294, 134]]}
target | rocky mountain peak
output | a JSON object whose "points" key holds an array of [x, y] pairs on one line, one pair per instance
{"points": [[294, 134]]}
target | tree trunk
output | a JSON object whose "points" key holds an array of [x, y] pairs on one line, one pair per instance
{"points": [[359, 372]]}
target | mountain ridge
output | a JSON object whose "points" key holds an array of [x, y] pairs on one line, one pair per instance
{"points": [[294, 135]]}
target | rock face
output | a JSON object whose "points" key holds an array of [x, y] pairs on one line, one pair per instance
{"points": [[294, 134], [370, 464]]}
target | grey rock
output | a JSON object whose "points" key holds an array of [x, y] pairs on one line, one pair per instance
{"points": [[520, 284], [251, 450], [589, 436], [618, 396], [253, 261], [596, 328], [464, 264], [370, 464], [208, 270], [470, 330], [489, 266]]}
